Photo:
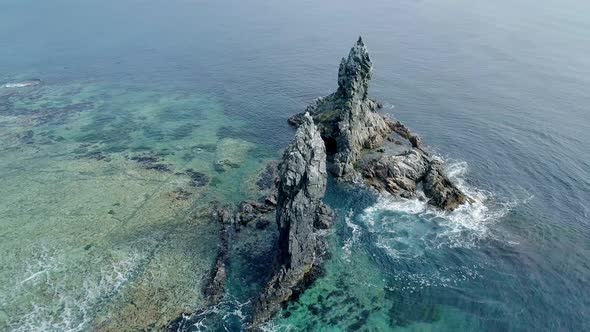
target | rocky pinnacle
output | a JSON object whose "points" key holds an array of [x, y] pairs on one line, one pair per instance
{"points": [[302, 184], [350, 126], [301, 187], [355, 72]]}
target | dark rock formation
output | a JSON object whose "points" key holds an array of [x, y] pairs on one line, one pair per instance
{"points": [[151, 161], [214, 287], [251, 210], [198, 179], [441, 191], [349, 125], [268, 177], [96, 155], [397, 174], [301, 187], [342, 133], [324, 217], [179, 194], [302, 184], [400, 174], [347, 119]]}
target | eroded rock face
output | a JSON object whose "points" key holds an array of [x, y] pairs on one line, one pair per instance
{"points": [[301, 187], [400, 175], [348, 119], [349, 124], [440, 190], [302, 184]]}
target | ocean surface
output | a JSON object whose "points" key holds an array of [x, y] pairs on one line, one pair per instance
{"points": [[151, 110]]}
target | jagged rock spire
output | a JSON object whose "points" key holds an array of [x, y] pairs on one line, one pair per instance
{"points": [[355, 72], [301, 186], [302, 183], [347, 119]]}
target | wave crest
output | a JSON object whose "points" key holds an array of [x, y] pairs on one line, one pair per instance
{"points": [[405, 228]]}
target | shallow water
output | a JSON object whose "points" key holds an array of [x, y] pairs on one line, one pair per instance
{"points": [[93, 235], [103, 227]]}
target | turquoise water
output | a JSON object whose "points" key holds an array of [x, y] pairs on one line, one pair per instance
{"points": [[103, 227]]}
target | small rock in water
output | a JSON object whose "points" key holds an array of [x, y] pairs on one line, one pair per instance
{"points": [[223, 165], [262, 223], [151, 161], [27, 137], [251, 210], [416, 141], [198, 179], [158, 167], [267, 177], [180, 194]]}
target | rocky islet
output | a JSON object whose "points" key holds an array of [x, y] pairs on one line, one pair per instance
{"points": [[359, 140], [341, 134]]}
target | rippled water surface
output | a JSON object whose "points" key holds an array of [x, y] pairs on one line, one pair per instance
{"points": [[149, 111]]}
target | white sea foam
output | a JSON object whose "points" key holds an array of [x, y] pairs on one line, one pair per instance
{"points": [[60, 302], [21, 84], [356, 232], [226, 312], [421, 227], [274, 327], [442, 277]]}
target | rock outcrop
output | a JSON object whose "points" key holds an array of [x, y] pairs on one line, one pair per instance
{"points": [[302, 184], [400, 175], [341, 133], [397, 174], [348, 119], [214, 287], [440, 190], [350, 125], [300, 210]]}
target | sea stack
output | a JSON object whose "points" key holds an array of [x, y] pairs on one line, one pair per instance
{"points": [[360, 142], [347, 119], [300, 213]]}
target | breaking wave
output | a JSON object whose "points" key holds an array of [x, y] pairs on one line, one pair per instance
{"points": [[228, 315], [59, 301], [356, 232], [405, 228]]}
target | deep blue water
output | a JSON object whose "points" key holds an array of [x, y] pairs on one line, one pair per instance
{"points": [[501, 89]]}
